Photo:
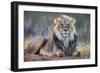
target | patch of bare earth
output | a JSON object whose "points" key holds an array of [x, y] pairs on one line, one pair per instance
{"points": [[33, 57]]}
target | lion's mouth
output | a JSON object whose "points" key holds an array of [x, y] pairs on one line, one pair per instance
{"points": [[65, 33], [62, 36]]}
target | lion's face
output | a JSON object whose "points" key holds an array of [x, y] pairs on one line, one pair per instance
{"points": [[63, 26]]}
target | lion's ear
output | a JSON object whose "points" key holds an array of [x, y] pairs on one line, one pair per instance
{"points": [[73, 21], [55, 22]]}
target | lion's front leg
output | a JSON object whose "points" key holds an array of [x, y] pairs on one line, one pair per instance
{"points": [[73, 45], [75, 52], [72, 50], [53, 53], [59, 53], [44, 52]]}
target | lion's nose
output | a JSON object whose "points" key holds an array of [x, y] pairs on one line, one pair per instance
{"points": [[66, 30]]}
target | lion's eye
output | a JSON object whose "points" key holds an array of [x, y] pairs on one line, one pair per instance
{"points": [[61, 23], [68, 25]]}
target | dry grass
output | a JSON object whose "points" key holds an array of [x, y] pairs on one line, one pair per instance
{"points": [[85, 51], [26, 42]]}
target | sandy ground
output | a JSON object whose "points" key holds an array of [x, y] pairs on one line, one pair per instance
{"points": [[32, 57]]}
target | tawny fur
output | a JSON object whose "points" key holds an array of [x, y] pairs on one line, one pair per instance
{"points": [[48, 46]]}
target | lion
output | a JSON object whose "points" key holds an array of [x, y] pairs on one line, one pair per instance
{"points": [[62, 42]]}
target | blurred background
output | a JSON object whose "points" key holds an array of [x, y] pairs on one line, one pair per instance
{"points": [[40, 23]]}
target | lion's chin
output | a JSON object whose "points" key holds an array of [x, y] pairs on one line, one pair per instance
{"points": [[61, 37]]}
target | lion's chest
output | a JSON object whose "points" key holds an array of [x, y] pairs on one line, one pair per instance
{"points": [[66, 42]]}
